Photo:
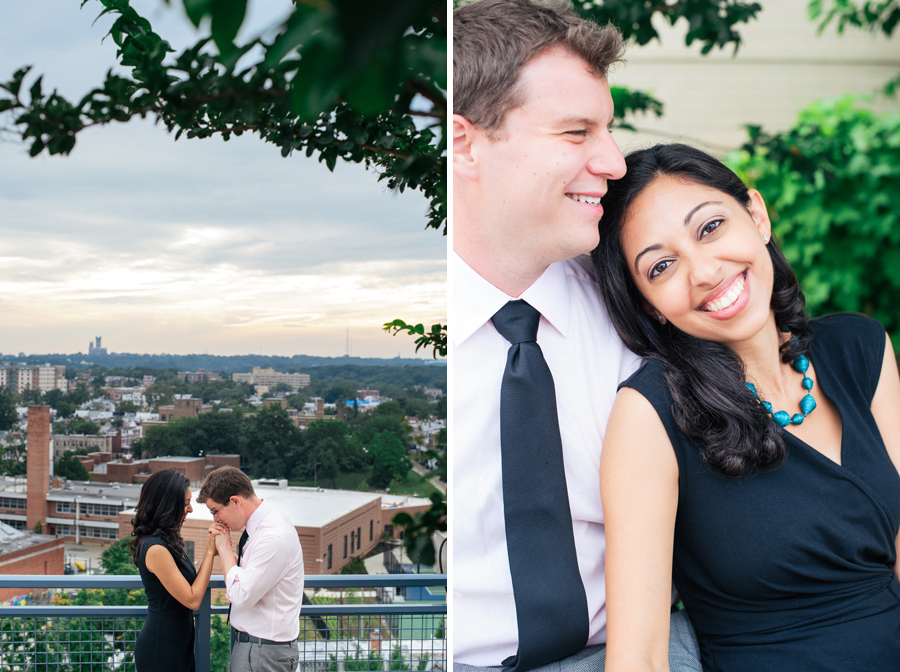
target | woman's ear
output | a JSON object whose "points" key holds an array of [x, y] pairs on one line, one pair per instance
{"points": [[653, 312], [757, 208]]}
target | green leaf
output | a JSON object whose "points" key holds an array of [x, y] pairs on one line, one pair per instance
{"points": [[227, 17], [197, 9], [316, 83]]}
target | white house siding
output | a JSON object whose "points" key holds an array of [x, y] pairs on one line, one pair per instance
{"points": [[782, 65]]}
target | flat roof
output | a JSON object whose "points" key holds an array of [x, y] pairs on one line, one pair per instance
{"points": [[16, 543], [395, 501], [304, 507]]}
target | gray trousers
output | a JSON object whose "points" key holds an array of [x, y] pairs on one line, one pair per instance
{"points": [[250, 657], [684, 654]]}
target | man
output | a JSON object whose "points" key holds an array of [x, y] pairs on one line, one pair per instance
{"points": [[532, 155], [265, 583]]}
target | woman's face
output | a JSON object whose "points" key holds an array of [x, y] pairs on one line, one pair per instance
{"points": [[187, 504], [699, 259]]}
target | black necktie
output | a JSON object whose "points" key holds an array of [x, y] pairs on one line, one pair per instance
{"points": [[241, 542], [551, 606]]}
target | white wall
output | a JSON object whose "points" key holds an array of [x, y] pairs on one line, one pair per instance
{"points": [[782, 65]]}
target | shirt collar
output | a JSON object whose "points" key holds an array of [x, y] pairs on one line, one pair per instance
{"points": [[474, 300], [256, 518]]}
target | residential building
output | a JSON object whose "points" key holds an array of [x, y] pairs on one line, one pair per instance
{"points": [[20, 378], [269, 378], [75, 442], [132, 394], [201, 376], [183, 406]]}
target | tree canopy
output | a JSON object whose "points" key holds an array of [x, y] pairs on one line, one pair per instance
{"points": [[69, 466]]}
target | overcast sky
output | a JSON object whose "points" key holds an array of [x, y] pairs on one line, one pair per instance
{"points": [[195, 246]]}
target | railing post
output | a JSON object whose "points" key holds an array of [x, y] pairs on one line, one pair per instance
{"points": [[202, 648]]}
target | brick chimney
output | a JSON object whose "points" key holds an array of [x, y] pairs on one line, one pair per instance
{"points": [[38, 465]]}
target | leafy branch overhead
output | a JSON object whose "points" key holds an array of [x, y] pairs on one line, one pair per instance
{"points": [[348, 79], [436, 338], [712, 23], [872, 15]]}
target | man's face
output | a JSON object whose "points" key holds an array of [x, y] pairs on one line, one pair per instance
{"points": [[230, 513], [547, 170]]}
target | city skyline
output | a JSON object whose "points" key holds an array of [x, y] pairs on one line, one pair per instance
{"points": [[195, 246]]}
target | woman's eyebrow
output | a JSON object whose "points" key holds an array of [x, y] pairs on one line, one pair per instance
{"points": [[687, 218], [657, 246]]}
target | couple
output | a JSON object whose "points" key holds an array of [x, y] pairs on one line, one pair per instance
{"points": [[752, 460], [264, 583]]}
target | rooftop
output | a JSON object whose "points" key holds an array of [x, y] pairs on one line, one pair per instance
{"points": [[12, 540], [98, 493], [304, 507]]}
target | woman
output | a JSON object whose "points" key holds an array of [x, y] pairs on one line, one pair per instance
{"points": [[174, 588], [781, 540]]}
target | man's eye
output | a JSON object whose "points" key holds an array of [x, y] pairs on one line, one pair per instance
{"points": [[580, 132], [659, 267]]}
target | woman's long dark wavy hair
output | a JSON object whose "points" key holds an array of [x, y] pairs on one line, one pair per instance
{"points": [[159, 511], [712, 406]]}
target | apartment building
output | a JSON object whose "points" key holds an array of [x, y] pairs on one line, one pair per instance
{"points": [[74, 442], [201, 376], [270, 378], [20, 378]]}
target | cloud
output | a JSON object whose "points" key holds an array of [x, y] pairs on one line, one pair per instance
{"points": [[193, 246]]}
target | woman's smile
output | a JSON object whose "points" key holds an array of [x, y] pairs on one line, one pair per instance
{"points": [[730, 301]]}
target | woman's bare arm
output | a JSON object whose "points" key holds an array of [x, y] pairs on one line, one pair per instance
{"points": [[886, 409], [160, 561], [639, 489]]}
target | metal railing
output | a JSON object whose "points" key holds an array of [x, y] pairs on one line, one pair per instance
{"points": [[362, 630]]}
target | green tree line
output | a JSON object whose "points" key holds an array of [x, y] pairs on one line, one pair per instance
{"points": [[271, 446]]}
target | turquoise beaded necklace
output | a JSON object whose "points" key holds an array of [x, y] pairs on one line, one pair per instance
{"points": [[807, 403]]}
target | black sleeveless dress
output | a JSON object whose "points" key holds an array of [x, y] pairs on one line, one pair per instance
{"points": [[166, 642], [792, 569]]}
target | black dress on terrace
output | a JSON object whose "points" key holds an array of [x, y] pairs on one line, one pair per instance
{"points": [[166, 642], [793, 569]]}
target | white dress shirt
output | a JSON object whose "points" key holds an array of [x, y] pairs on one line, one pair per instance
{"points": [[587, 361], [266, 591]]}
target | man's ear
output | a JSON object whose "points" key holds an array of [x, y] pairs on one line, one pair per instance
{"points": [[760, 214], [464, 158]]}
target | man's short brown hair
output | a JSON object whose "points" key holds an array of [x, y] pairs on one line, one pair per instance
{"points": [[224, 483], [493, 40]]}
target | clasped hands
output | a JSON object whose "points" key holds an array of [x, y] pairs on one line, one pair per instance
{"points": [[220, 533], [220, 536]]}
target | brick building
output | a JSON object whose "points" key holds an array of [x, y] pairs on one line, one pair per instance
{"points": [[23, 552], [183, 406], [126, 469]]}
